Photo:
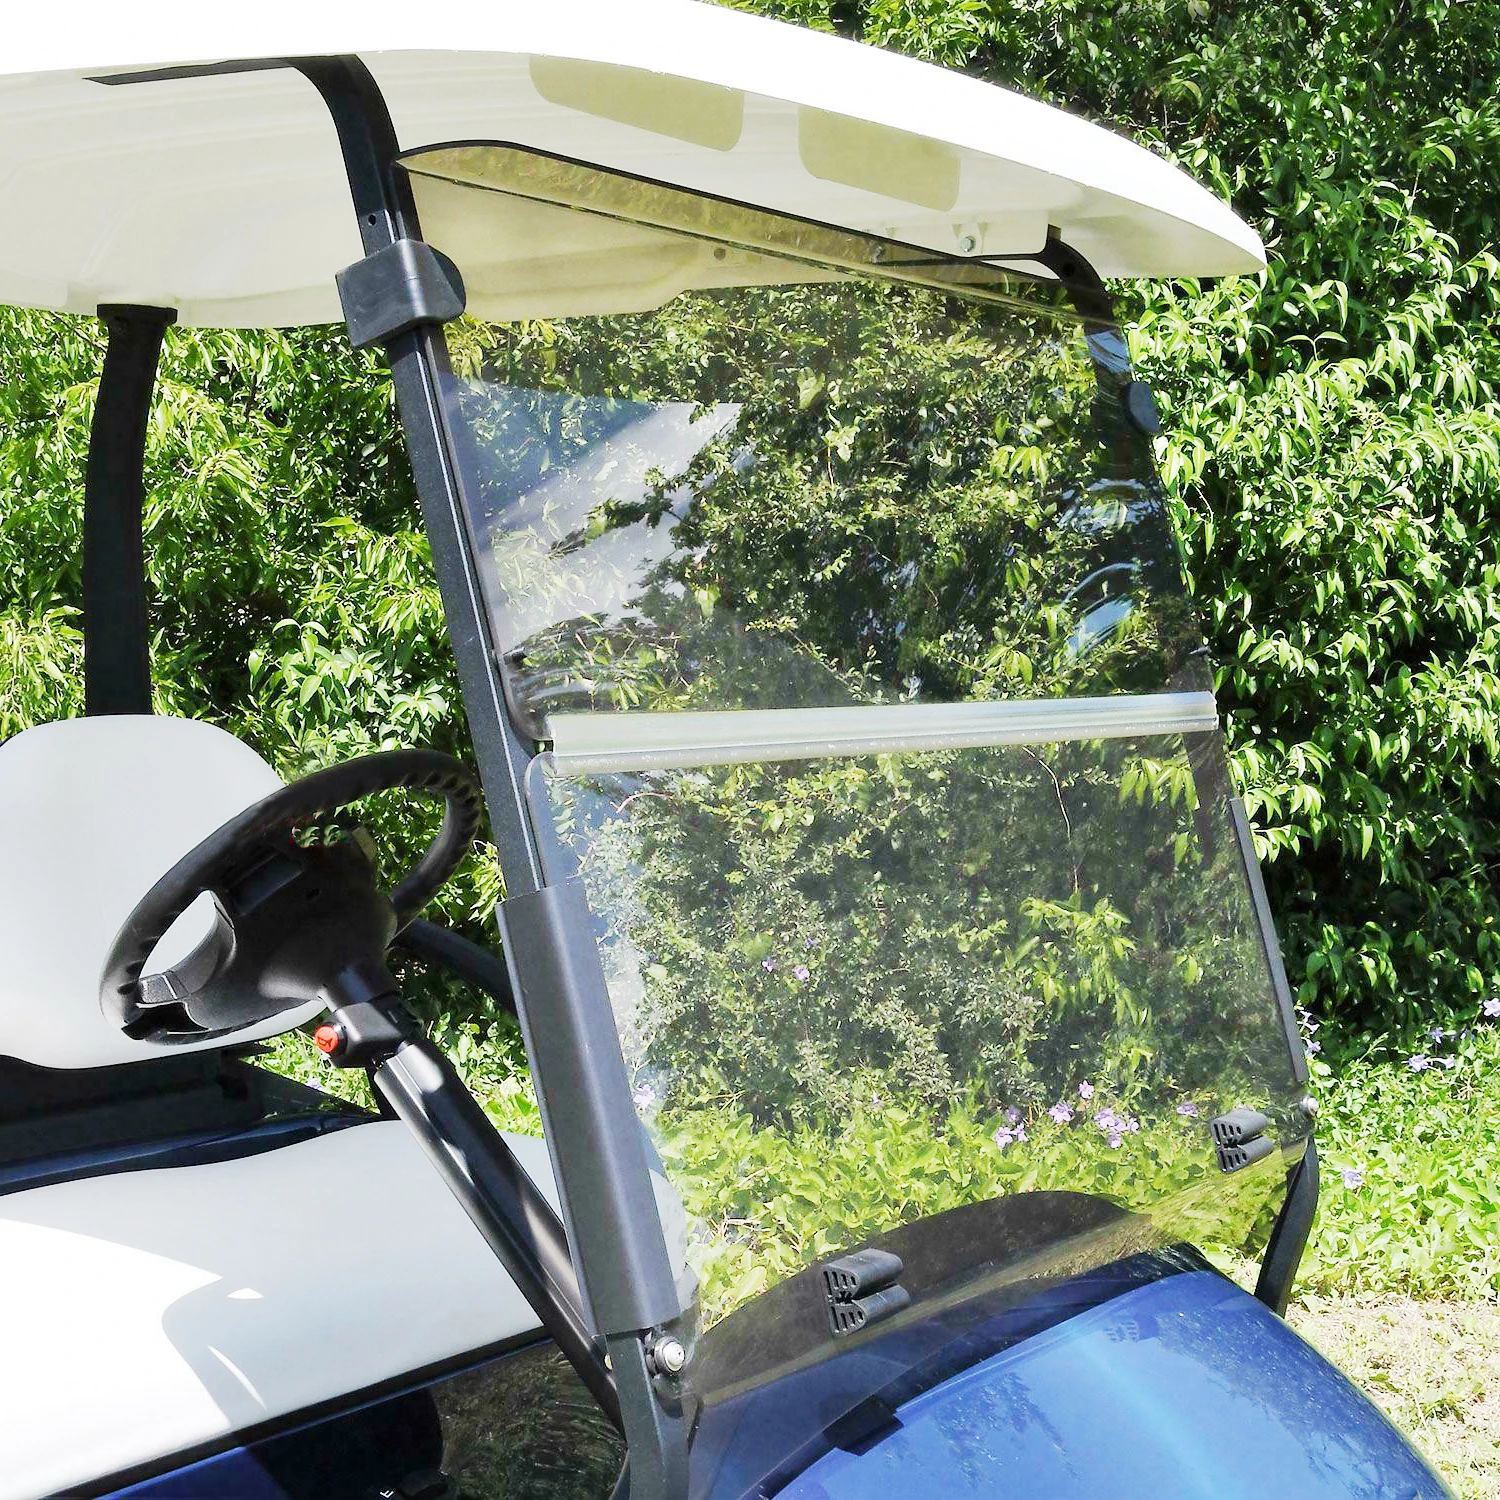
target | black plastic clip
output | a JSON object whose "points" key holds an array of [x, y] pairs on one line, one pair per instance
{"points": [[399, 288], [862, 1289], [1140, 406], [1239, 1138]]}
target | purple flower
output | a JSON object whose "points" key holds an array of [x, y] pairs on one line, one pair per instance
{"points": [[1187, 1109], [1114, 1140], [1107, 1120], [1085, 1091], [1004, 1138], [1492, 1006], [769, 965], [1020, 1132], [1419, 1062], [1448, 1062], [1061, 1113], [1313, 1048], [801, 972], [1352, 1177], [1013, 1115], [809, 944], [644, 1096], [1437, 1034], [1132, 1126]]}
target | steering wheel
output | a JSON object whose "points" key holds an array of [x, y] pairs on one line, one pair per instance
{"points": [[296, 922]]}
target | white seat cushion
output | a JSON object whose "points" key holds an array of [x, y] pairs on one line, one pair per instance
{"points": [[92, 813], [151, 1311]]}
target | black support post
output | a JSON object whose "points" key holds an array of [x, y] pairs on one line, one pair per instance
{"points": [[1289, 1237], [505, 1206], [116, 639], [616, 1234], [418, 360]]}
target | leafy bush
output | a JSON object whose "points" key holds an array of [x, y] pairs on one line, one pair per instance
{"points": [[790, 936], [1332, 437], [1330, 440]]}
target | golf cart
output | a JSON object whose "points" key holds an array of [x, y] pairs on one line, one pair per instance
{"points": [[899, 993]]}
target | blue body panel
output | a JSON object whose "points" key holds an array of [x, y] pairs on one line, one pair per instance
{"points": [[355, 1454], [1185, 1388], [1181, 1388]]}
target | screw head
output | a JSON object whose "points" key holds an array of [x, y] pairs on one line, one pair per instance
{"points": [[968, 244], [671, 1356]]}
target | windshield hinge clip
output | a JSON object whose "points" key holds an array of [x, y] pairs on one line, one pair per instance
{"points": [[1239, 1138], [398, 288], [862, 1289]]}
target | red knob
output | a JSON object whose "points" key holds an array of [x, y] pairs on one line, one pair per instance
{"points": [[329, 1039]]}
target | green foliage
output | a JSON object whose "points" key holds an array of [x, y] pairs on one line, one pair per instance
{"points": [[1331, 436], [1331, 444], [1006, 921], [770, 1202], [293, 599], [1419, 1212]]}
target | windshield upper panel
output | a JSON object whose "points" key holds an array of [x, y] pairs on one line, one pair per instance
{"points": [[880, 735], [779, 485], [814, 496]]}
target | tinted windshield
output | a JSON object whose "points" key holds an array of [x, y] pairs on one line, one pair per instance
{"points": [[849, 616]]}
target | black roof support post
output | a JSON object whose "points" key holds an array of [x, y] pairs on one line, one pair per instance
{"points": [[399, 296], [116, 638]]}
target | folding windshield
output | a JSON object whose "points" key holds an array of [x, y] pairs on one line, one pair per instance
{"points": [[847, 613]]}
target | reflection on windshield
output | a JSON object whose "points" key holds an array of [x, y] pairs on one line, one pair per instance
{"points": [[806, 496], [857, 992], [562, 454]]}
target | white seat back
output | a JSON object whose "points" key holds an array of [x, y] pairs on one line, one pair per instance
{"points": [[92, 813]]}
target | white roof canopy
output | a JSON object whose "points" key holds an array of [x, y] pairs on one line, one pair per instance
{"points": [[225, 198]]}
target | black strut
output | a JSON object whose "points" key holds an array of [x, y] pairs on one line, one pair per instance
{"points": [[116, 643], [481, 1171]]}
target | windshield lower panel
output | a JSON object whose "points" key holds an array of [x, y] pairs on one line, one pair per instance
{"points": [[856, 993]]}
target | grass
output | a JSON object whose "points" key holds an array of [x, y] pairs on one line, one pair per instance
{"points": [[1411, 1176], [1433, 1366], [1400, 1281]]}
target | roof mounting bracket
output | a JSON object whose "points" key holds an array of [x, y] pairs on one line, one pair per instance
{"points": [[403, 286]]}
